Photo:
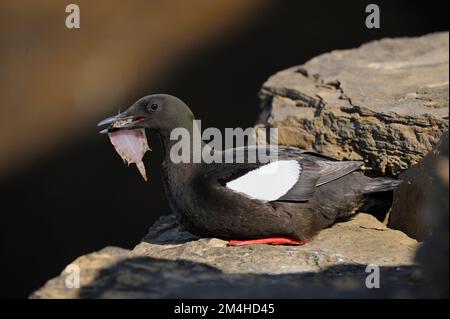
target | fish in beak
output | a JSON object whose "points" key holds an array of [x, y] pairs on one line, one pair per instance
{"points": [[128, 139]]}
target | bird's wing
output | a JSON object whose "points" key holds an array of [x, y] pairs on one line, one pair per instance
{"points": [[305, 186], [267, 182], [293, 174], [330, 169]]}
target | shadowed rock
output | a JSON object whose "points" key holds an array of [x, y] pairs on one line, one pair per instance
{"points": [[423, 196], [421, 210]]}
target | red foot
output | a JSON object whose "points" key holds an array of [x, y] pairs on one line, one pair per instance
{"points": [[271, 241]]}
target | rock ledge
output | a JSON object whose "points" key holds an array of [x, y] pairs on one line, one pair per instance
{"points": [[171, 263]]}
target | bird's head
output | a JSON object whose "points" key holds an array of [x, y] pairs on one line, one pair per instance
{"points": [[159, 112]]}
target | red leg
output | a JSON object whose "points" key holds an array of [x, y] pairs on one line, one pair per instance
{"points": [[271, 241]]}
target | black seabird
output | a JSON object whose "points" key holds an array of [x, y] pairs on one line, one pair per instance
{"points": [[240, 202]]}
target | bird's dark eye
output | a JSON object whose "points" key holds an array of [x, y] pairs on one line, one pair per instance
{"points": [[153, 107]]}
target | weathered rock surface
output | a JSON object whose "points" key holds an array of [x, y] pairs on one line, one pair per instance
{"points": [[423, 194], [170, 262], [385, 102]]}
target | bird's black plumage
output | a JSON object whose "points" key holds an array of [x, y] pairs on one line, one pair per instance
{"points": [[197, 192]]}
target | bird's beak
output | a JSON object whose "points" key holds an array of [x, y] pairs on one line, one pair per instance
{"points": [[120, 122]]}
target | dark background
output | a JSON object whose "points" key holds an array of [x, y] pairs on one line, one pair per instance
{"points": [[80, 197]]}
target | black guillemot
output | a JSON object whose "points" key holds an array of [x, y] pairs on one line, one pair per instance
{"points": [[240, 201]]}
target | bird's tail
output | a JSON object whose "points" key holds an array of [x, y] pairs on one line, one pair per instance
{"points": [[380, 184]]}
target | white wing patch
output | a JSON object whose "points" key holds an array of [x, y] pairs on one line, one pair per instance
{"points": [[268, 182]]}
